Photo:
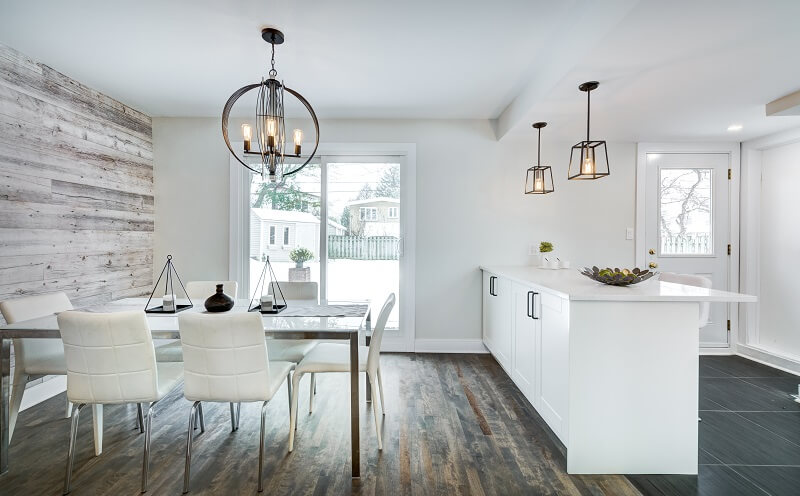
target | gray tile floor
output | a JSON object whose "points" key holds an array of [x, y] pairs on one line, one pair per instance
{"points": [[749, 433]]}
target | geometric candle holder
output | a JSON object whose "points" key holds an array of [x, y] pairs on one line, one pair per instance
{"points": [[171, 274], [259, 290]]}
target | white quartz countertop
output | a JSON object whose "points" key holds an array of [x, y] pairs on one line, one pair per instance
{"points": [[571, 284]]}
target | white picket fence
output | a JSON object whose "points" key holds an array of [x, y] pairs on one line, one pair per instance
{"points": [[687, 244]]}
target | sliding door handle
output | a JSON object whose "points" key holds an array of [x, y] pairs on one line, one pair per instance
{"points": [[533, 306]]}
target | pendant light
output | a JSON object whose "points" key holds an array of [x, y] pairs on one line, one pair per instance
{"points": [[588, 159], [539, 179], [270, 135]]}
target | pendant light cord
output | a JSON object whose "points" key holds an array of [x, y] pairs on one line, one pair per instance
{"points": [[588, 112], [539, 148]]}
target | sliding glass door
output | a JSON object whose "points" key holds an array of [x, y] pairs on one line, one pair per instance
{"points": [[340, 222], [364, 235]]}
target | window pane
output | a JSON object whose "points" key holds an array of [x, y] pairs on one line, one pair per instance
{"points": [[289, 214], [685, 207]]}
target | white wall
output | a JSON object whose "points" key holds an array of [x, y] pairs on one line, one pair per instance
{"points": [[779, 312], [470, 207]]}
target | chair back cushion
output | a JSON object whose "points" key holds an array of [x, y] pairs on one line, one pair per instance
{"points": [[37, 356], [224, 357], [110, 357], [200, 290], [295, 290], [691, 280], [377, 334]]}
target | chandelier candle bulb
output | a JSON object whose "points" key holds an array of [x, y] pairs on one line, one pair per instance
{"points": [[247, 134], [298, 141]]}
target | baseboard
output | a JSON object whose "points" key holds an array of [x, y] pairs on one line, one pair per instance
{"points": [[716, 351], [782, 362], [449, 346], [44, 391]]}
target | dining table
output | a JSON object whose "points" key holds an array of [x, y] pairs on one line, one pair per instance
{"points": [[305, 319]]}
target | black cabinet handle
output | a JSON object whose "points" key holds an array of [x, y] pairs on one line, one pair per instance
{"points": [[491, 285], [533, 308], [530, 304]]}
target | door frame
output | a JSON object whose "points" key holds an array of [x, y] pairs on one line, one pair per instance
{"points": [[732, 149], [239, 229], [748, 335]]}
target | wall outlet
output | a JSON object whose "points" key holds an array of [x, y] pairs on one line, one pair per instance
{"points": [[629, 233]]}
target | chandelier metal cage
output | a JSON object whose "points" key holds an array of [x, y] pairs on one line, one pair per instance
{"points": [[270, 131], [539, 179], [588, 159]]}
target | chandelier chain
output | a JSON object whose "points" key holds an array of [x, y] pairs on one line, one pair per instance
{"points": [[273, 72]]}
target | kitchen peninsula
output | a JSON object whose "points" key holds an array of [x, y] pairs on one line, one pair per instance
{"points": [[612, 370]]}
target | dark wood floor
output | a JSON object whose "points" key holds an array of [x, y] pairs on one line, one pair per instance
{"points": [[749, 433], [455, 424]]}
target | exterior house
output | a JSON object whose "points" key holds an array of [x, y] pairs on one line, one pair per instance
{"points": [[275, 233], [375, 217]]}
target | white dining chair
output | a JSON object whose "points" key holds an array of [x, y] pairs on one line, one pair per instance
{"points": [[226, 361], [293, 350], [334, 357], [111, 360], [198, 292], [34, 356], [692, 280]]}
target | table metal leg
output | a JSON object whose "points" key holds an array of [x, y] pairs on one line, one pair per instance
{"points": [[354, 424], [5, 372]]}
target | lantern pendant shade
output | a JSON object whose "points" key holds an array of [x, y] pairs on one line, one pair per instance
{"points": [[588, 159], [539, 178]]}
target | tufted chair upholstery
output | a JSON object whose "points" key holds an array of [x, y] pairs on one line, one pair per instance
{"points": [[110, 359], [334, 357], [691, 280], [225, 360], [33, 356]]}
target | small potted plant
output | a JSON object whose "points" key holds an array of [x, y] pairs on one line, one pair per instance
{"points": [[545, 247], [301, 255]]}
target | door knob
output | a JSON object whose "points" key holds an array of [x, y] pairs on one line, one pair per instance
{"points": [[651, 251], [652, 265]]}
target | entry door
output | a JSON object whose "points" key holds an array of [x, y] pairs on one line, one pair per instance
{"points": [[687, 228]]}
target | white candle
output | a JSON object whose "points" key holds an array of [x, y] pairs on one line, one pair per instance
{"points": [[266, 302], [168, 302]]}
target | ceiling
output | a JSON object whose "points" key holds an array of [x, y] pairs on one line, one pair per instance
{"points": [[672, 70]]}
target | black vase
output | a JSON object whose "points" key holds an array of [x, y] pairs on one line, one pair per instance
{"points": [[219, 301]]}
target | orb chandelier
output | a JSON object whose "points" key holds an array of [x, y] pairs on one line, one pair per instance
{"points": [[270, 133], [539, 179]]}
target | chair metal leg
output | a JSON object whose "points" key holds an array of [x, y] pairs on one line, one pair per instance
{"points": [[140, 417], [375, 413], [289, 390], [17, 390], [235, 416], [148, 420], [311, 392], [200, 417], [293, 409], [68, 412], [261, 447], [187, 467], [380, 391], [73, 434]]}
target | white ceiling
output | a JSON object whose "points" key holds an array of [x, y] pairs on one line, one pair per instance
{"points": [[669, 70]]}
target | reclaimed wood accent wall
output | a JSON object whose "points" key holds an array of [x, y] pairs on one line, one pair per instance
{"points": [[76, 188]]}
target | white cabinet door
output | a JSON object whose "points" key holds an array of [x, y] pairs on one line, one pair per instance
{"points": [[497, 318], [554, 358], [525, 368]]}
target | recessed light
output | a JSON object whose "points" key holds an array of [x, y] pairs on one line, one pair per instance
{"points": [[735, 127]]}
